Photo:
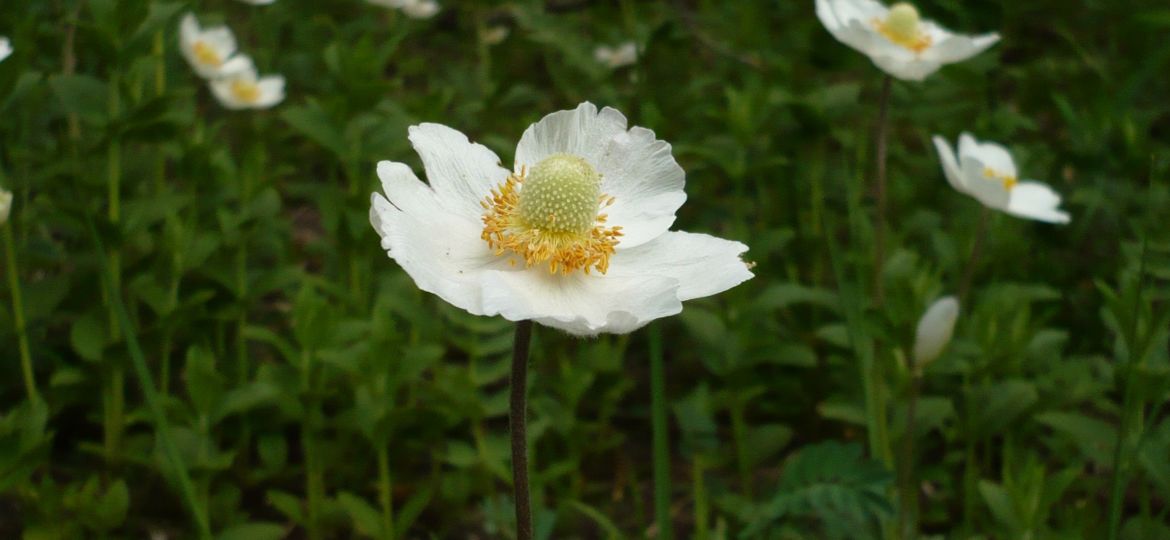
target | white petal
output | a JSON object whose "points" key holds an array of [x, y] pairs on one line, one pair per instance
{"points": [[989, 191], [240, 65], [850, 21], [906, 69], [703, 265], [5, 48], [188, 30], [221, 39], [1035, 200], [222, 90], [957, 48], [637, 169], [949, 164], [271, 91], [462, 173], [420, 9], [935, 329], [582, 305], [990, 154], [440, 250]]}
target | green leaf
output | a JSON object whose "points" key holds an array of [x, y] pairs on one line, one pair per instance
{"points": [[313, 122], [1094, 438], [88, 337], [997, 405], [366, 520], [253, 531], [82, 95]]}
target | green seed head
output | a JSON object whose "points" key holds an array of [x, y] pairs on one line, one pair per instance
{"points": [[561, 194], [902, 22]]}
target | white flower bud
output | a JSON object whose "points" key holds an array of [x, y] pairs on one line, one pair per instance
{"points": [[934, 330], [5, 205]]}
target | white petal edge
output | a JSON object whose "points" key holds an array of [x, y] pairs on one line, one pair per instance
{"points": [[704, 265], [462, 173], [1035, 200], [950, 165]]}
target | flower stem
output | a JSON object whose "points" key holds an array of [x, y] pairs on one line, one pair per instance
{"points": [[909, 506], [385, 493], [115, 388], [519, 431], [661, 434], [883, 129], [30, 384], [700, 496], [976, 254]]}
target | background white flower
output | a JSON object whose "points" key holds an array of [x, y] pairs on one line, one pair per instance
{"points": [[615, 57], [987, 172], [5, 48], [438, 232], [246, 90], [259, 2], [934, 330], [896, 39], [496, 34], [418, 9], [5, 205], [212, 51]]}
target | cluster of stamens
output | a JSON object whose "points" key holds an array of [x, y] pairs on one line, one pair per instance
{"points": [[903, 27], [206, 54], [552, 214], [1008, 181]]}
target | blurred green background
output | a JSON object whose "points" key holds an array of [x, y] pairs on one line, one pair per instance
{"points": [[313, 392]]}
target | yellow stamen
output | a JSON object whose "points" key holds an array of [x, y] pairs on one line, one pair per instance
{"points": [[904, 28], [245, 91], [522, 218], [1009, 181], [206, 54]]}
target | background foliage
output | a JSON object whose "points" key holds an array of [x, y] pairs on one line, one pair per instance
{"points": [[312, 391]]}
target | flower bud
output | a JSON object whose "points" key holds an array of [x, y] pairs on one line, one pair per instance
{"points": [[5, 206], [934, 330]]}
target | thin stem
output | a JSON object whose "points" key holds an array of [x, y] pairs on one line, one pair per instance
{"points": [[909, 508], [700, 495], [385, 493], [115, 389], [30, 384], [517, 424], [883, 129], [660, 429], [314, 482], [976, 254]]}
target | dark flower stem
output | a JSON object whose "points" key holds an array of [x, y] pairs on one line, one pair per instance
{"points": [[518, 426], [976, 254], [883, 130]]}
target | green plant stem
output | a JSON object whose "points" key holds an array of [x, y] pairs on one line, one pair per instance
{"points": [[517, 424], [661, 434], [883, 130], [976, 254], [153, 402], [115, 402], [1131, 405], [385, 493], [909, 508], [314, 480], [739, 437], [699, 493], [30, 384]]}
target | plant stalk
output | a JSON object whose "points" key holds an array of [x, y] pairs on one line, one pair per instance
{"points": [[661, 436], [385, 493], [883, 130], [30, 384], [517, 424], [976, 255]]}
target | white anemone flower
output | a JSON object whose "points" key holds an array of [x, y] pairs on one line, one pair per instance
{"points": [[896, 38], [934, 330], [987, 172], [212, 51], [246, 90], [417, 9], [576, 236], [616, 57], [5, 48], [5, 205]]}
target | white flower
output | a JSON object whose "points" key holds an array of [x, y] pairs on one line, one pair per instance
{"points": [[934, 330], [259, 2], [5, 205], [5, 48], [616, 57], [575, 237], [418, 9], [987, 172], [246, 90], [211, 52], [896, 39]]}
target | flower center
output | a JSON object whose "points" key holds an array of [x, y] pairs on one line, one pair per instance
{"points": [[245, 91], [1008, 181], [206, 54], [904, 27], [552, 214]]}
